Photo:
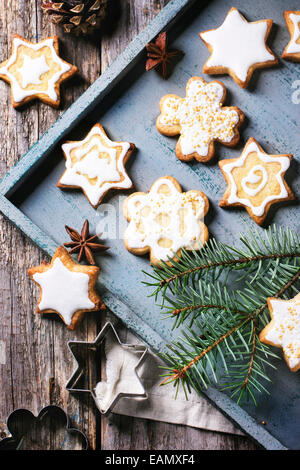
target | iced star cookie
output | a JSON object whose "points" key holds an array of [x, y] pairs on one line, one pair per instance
{"points": [[238, 47], [35, 71], [165, 220], [292, 50], [96, 164], [284, 329], [256, 180], [200, 119], [67, 288]]}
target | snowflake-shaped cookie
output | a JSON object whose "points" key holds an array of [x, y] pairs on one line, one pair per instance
{"points": [[284, 329], [96, 164], [256, 180], [67, 288], [165, 220], [238, 47], [200, 119], [292, 50], [35, 71]]}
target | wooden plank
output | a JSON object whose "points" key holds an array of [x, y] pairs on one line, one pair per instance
{"points": [[24, 359], [85, 55], [37, 363]]}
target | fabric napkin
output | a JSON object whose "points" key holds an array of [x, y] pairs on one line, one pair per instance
{"points": [[160, 404]]}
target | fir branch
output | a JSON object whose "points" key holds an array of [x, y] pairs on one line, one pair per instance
{"points": [[178, 311], [250, 368], [231, 263], [225, 321], [181, 373], [253, 316], [216, 257]]}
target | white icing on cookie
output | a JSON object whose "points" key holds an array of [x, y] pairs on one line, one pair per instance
{"points": [[294, 47], [157, 215], [33, 69], [63, 290], [200, 116], [285, 330], [237, 44], [253, 177], [109, 172]]}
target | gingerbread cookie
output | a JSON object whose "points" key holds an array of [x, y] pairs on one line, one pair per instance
{"points": [[96, 164], [67, 288], [165, 220], [292, 50], [35, 71], [256, 180], [238, 47], [284, 329], [200, 119]]}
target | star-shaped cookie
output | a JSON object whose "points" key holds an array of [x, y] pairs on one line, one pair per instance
{"points": [[238, 47], [284, 329], [165, 220], [67, 288], [35, 71], [200, 119], [256, 180], [292, 50], [96, 164], [122, 375]]}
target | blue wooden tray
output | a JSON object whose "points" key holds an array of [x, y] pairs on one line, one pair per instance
{"points": [[125, 100]]}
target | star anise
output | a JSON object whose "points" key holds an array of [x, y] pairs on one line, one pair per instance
{"points": [[159, 57], [83, 244]]}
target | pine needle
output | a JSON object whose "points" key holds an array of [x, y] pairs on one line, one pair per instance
{"points": [[219, 296]]}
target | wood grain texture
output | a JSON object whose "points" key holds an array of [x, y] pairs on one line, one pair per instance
{"points": [[34, 360]]}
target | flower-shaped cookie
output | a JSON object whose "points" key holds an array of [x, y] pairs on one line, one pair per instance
{"points": [[238, 47], [165, 220], [292, 50], [284, 329], [200, 119], [256, 180], [35, 71], [96, 164], [67, 288]]}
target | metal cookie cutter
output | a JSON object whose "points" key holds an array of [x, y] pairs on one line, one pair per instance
{"points": [[77, 384], [22, 421]]}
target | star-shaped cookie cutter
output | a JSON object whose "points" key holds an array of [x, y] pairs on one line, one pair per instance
{"points": [[72, 385]]}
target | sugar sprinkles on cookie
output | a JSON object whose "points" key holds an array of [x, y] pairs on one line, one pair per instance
{"points": [[200, 118], [283, 331], [165, 220], [35, 71]]}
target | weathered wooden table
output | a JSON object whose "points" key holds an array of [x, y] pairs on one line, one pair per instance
{"points": [[34, 361]]}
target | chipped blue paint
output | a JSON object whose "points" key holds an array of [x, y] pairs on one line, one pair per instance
{"points": [[128, 112]]}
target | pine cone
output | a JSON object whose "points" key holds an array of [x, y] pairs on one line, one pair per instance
{"points": [[76, 16]]}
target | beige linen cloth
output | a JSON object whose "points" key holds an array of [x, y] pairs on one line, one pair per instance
{"points": [[160, 404]]}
